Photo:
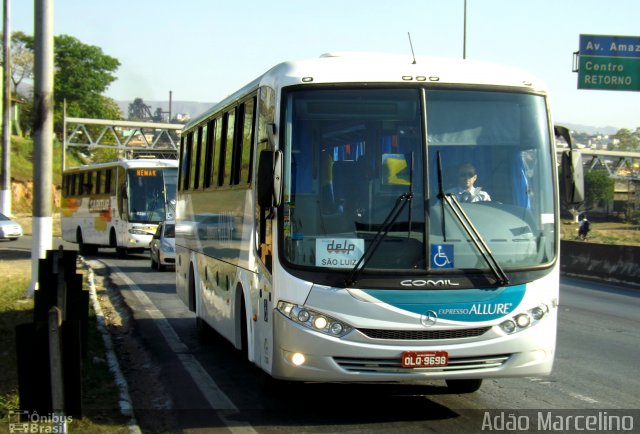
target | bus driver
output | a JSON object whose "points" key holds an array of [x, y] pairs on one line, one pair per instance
{"points": [[466, 191]]}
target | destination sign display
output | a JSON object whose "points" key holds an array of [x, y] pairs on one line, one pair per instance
{"points": [[146, 172]]}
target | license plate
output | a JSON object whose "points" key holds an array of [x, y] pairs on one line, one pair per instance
{"points": [[424, 359]]}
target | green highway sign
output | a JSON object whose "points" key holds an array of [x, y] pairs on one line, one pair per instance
{"points": [[609, 62]]}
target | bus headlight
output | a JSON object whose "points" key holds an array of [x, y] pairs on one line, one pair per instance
{"points": [[508, 326], [523, 321], [314, 320], [136, 231]]}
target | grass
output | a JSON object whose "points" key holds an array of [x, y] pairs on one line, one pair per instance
{"points": [[614, 233], [100, 395], [22, 154], [22, 159]]}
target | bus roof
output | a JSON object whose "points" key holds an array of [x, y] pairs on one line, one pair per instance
{"points": [[134, 163], [382, 68]]}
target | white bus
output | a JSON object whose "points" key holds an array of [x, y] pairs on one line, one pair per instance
{"points": [[318, 229], [117, 204]]}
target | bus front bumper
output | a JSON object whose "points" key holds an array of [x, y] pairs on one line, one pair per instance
{"points": [[326, 358]]}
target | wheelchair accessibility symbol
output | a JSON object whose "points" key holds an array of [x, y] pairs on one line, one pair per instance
{"points": [[442, 256]]}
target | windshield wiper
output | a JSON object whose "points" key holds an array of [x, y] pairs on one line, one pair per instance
{"points": [[401, 202], [477, 240], [389, 221]]}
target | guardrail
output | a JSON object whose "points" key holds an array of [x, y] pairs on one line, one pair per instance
{"points": [[602, 261]]}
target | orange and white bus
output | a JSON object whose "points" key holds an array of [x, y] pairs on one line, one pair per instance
{"points": [[117, 204]]}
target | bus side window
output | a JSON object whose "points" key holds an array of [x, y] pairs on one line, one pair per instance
{"points": [[194, 150], [187, 155], [216, 151], [237, 145], [246, 162], [68, 185], [181, 170], [107, 181], [122, 193], [207, 140], [266, 110], [227, 155], [98, 184]]}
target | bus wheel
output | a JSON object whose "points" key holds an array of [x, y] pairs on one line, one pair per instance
{"points": [[273, 387], [244, 338], [84, 249], [203, 330], [464, 386]]}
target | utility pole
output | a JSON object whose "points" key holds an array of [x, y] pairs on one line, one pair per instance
{"points": [[5, 182], [464, 32], [43, 137]]}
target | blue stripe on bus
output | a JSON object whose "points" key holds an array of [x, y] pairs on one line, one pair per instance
{"points": [[469, 305]]}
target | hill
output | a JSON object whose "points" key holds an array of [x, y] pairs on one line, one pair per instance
{"points": [[588, 129]]}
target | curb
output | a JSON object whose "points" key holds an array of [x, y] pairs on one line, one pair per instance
{"points": [[126, 406]]}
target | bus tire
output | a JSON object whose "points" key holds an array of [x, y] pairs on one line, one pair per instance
{"points": [[192, 290], [121, 252], [274, 387], [464, 386], [203, 330], [244, 337], [84, 249]]}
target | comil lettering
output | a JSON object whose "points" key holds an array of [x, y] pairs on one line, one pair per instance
{"points": [[421, 283]]}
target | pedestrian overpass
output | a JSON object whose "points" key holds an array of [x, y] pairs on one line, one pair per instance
{"points": [[619, 165]]}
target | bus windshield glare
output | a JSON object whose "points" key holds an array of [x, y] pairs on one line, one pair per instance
{"points": [[350, 154], [147, 200]]}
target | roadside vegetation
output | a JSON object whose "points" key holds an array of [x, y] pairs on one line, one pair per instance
{"points": [[100, 395], [615, 233]]}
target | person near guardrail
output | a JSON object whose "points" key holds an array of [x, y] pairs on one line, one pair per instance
{"points": [[583, 228]]}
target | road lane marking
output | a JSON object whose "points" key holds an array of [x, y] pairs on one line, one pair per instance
{"points": [[583, 398], [207, 386]]}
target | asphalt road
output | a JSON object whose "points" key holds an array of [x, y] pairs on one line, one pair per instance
{"points": [[211, 389]]}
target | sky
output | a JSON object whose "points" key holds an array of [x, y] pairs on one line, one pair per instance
{"points": [[203, 50]]}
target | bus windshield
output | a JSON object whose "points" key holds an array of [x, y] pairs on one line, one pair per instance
{"points": [[150, 190], [350, 154]]}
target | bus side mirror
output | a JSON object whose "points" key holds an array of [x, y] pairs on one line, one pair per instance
{"points": [[571, 172], [277, 178], [571, 178], [269, 178]]}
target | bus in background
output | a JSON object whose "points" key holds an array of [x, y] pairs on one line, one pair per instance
{"points": [[319, 229], [117, 204]]}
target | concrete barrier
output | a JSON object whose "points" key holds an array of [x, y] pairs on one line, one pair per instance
{"points": [[602, 261]]}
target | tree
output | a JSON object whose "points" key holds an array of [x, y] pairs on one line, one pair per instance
{"points": [[83, 73], [626, 140], [21, 58], [599, 187]]}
